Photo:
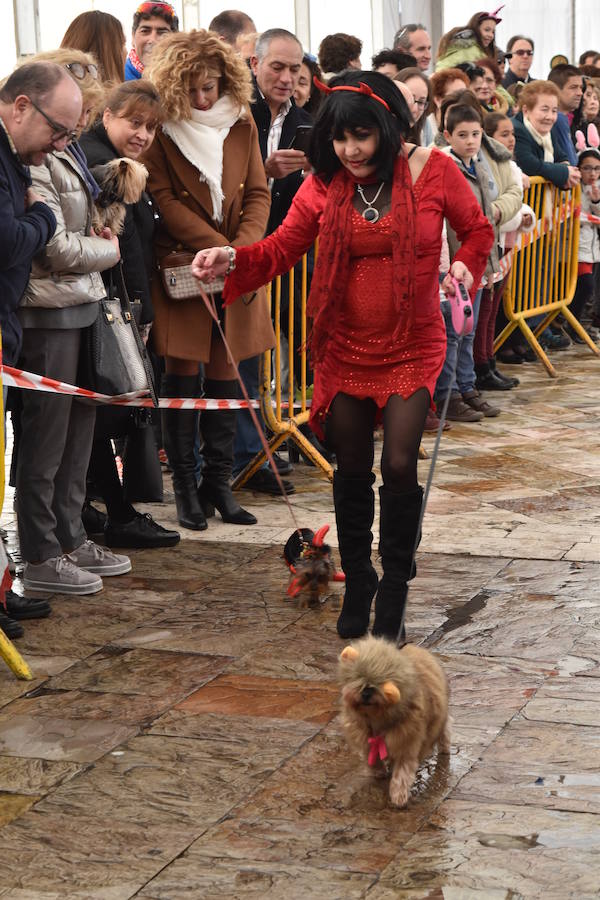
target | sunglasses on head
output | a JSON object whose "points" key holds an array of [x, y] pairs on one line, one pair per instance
{"points": [[78, 70], [149, 6]]}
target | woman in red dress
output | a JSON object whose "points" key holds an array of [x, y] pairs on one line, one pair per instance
{"points": [[378, 339]]}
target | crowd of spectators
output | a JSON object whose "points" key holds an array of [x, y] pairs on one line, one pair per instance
{"points": [[216, 116]]}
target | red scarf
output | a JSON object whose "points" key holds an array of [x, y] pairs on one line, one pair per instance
{"points": [[330, 277], [135, 61]]}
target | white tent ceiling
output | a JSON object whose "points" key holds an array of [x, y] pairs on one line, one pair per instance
{"points": [[558, 26]]}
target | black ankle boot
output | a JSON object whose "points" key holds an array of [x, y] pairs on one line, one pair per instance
{"points": [[398, 524], [179, 433], [354, 510], [514, 382], [487, 380], [218, 432]]}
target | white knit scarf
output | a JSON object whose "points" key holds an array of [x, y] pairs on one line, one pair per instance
{"points": [[201, 139], [544, 140]]}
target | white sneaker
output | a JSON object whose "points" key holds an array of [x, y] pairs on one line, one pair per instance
{"points": [[93, 558], [60, 575]]}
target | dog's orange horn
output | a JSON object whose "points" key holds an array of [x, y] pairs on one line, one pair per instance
{"points": [[390, 692], [349, 654], [319, 537]]}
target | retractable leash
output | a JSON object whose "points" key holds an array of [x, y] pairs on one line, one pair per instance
{"points": [[462, 322]]}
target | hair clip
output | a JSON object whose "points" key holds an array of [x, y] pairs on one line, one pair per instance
{"points": [[361, 89]]}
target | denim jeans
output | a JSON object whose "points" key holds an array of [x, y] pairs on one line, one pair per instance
{"points": [[459, 353], [247, 442]]}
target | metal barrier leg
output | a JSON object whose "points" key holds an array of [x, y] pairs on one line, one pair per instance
{"points": [[13, 659], [580, 330], [536, 346], [505, 334]]}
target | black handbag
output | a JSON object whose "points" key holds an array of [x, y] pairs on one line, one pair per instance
{"points": [[142, 474], [113, 356]]}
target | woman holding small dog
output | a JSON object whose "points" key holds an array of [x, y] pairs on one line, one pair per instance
{"points": [[207, 176], [378, 338], [129, 121]]}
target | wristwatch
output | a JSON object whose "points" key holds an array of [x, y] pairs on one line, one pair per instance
{"points": [[231, 265]]}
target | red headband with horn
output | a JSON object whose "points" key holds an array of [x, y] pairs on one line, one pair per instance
{"points": [[361, 89]]}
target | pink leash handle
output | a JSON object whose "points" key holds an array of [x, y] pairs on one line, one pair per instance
{"points": [[461, 308]]}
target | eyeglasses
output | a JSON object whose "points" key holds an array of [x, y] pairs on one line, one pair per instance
{"points": [[78, 70], [59, 132], [594, 169], [523, 52]]}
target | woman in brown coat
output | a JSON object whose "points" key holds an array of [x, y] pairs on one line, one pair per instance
{"points": [[207, 176]]}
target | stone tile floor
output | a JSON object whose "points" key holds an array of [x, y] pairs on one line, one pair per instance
{"points": [[181, 738]]}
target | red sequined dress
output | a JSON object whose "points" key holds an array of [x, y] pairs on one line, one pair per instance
{"points": [[363, 358]]}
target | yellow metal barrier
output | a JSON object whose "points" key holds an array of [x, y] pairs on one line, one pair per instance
{"points": [[284, 418], [543, 276]]}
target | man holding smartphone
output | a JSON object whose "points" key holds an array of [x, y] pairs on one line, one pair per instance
{"points": [[275, 68]]}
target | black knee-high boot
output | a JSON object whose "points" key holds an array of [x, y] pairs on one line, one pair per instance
{"points": [[218, 432], [398, 524], [179, 434], [354, 510]]}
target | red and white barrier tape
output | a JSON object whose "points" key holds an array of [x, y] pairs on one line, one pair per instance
{"points": [[28, 381]]}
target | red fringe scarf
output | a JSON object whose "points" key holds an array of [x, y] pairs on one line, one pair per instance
{"points": [[330, 277]]}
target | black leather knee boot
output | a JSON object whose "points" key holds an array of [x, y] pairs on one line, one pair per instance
{"points": [[218, 432], [179, 434], [354, 510], [398, 524]]}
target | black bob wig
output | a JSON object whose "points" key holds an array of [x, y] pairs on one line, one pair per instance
{"points": [[349, 111]]}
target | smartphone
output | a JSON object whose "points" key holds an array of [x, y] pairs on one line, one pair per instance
{"points": [[301, 139]]}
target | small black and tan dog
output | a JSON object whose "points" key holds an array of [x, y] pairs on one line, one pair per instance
{"points": [[121, 181]]}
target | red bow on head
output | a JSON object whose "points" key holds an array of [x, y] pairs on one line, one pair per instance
{"points": [[361, 89]]}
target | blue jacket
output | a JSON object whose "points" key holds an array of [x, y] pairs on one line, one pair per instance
{"points": [[530, 156], [562, 133], [23, 233]]}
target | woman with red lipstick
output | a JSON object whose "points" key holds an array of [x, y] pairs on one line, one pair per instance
{"points": [[378, 338], [208, 179]]}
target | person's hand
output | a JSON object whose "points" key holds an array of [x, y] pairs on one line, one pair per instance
{"points": [[526, 220], [526, 181], [459, 271], [31, 197], [210, 264], [574, 176], [497, 215], [595, 193], [284, 162], [114, 240]]}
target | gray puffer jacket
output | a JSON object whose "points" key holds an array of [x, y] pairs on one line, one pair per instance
{"points": [[66, 272]]}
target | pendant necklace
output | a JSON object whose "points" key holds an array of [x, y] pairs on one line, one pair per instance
{"points": [[370, 214]]}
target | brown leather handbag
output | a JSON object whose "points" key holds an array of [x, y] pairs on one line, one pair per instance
{"points": [[178, 281]]}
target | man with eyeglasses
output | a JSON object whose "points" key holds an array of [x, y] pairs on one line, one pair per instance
{"points": [[519, 52], [39, 108], [152, 21], [40, 105]]}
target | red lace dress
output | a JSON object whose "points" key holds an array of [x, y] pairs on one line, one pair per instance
{"points": [[363, 359]]}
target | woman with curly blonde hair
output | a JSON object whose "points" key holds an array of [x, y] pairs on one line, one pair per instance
{"points": [[208, 179]]}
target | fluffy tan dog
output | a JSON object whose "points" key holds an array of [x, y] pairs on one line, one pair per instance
{"points": [[394, 708], [121, 181]]}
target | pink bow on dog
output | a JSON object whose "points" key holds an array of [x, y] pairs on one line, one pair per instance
{"points": [[377, 750]]}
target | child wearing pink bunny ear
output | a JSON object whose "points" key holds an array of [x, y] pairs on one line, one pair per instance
{"points": [[588, 162]]}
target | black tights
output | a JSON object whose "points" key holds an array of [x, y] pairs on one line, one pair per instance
{"points": [[350, 427]]}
